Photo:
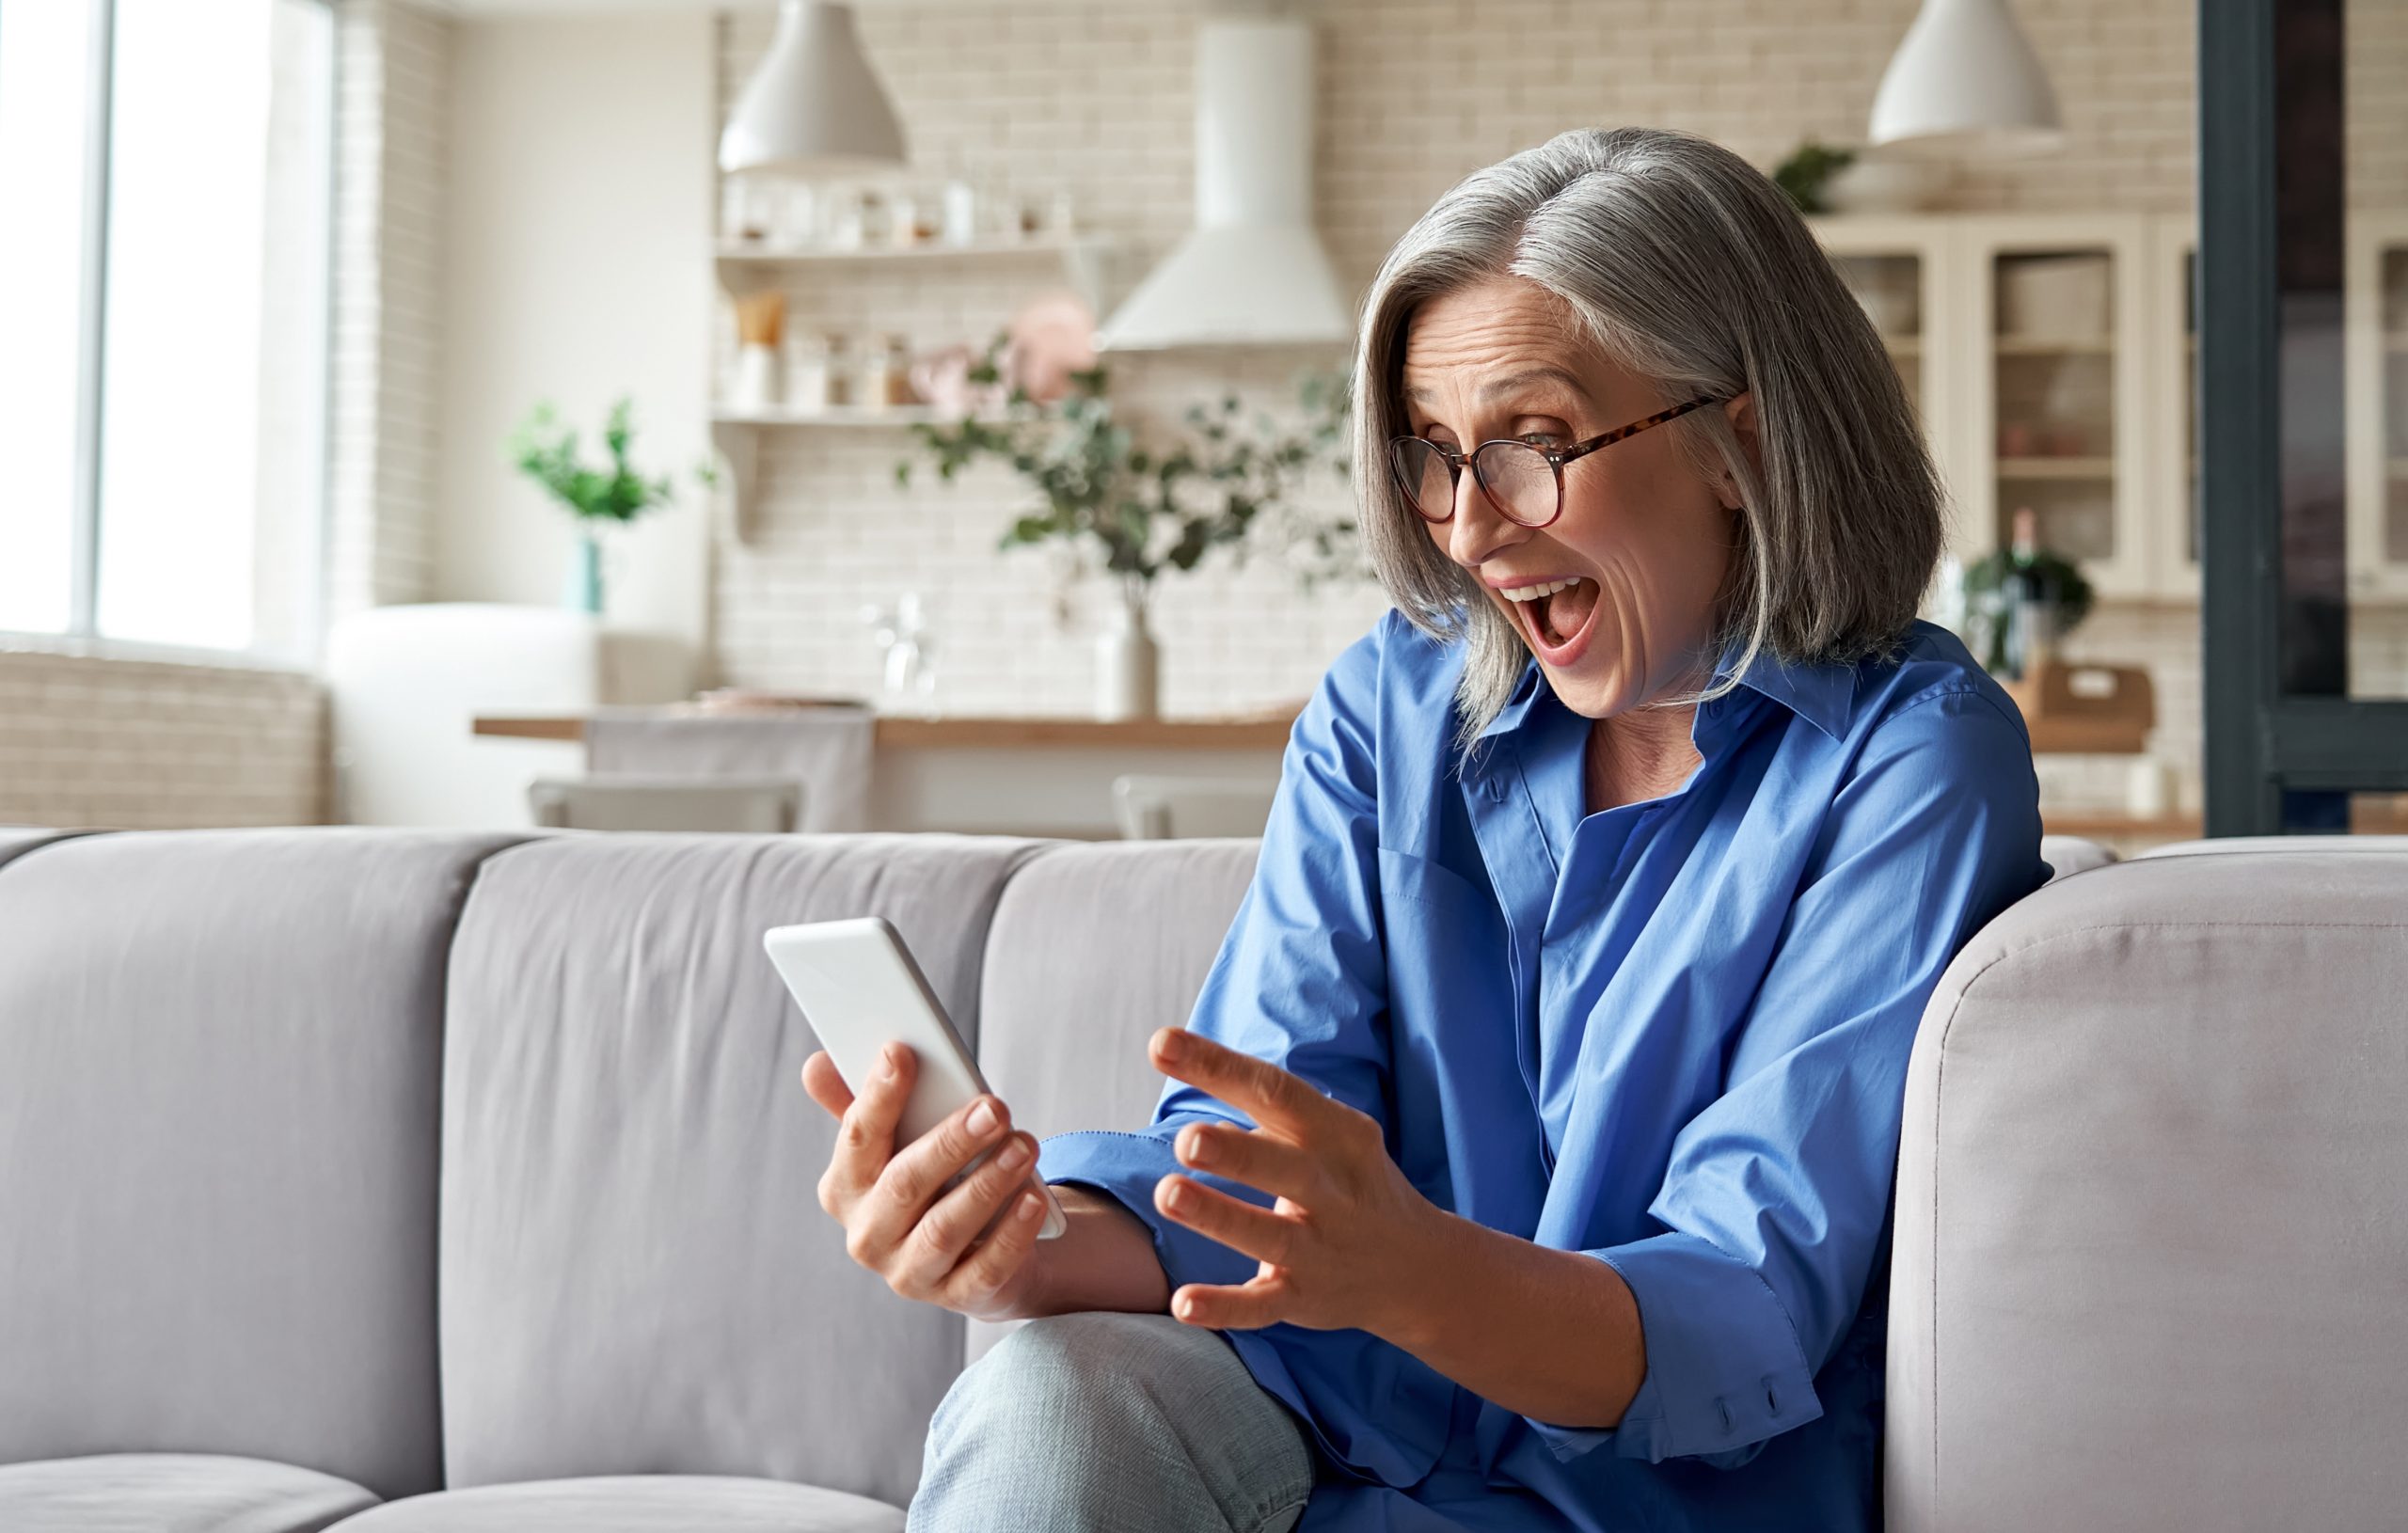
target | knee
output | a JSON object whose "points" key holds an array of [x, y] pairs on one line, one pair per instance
{"points": [[1077, 1373]]}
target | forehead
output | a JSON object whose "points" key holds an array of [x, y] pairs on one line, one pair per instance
{"points": [[1505, 333]]}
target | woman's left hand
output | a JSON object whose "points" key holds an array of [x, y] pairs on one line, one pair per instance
{"points": [[1348, 1234]]}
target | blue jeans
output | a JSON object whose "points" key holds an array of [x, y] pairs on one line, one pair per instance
{"points": [[1111, 1423]]}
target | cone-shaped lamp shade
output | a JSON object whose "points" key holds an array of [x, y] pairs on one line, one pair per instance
{"points": [[1965, 77], [815, 108]]}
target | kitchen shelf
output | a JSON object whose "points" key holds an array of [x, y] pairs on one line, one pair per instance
{"points": [[746, 267], [845, 415], [2044, 467], [2049, 346], [750, 251]]}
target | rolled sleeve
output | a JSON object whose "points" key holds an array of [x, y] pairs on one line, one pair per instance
{"points": [[1724, 1370], [1127, 1167]]}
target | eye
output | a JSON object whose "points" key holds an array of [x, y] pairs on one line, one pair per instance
{"points": [[1541, 439]]}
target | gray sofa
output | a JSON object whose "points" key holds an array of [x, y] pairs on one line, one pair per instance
{"points": [[411, 1181]]}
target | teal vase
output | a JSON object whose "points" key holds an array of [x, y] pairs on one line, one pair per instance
{"points": [[585, 576]]}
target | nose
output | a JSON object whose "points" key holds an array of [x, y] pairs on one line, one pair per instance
{"points": [[1479, 531]]}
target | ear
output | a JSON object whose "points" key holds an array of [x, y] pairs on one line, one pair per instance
{"points": [[1740, 410]]}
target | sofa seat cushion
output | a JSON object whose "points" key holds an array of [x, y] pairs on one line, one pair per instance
{"points": [[172, 1493], [634, 1504]]}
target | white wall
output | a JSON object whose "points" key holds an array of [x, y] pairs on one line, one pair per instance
{"points": [[581, 193]]}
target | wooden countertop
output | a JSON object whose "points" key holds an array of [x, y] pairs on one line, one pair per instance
{"points": [[903, 732], [899, 732]]}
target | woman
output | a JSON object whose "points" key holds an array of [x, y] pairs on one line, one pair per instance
{"points": [[1527, 1162]]}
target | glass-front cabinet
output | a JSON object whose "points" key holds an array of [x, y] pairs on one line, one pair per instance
{"points": [[2174, 404], [2376, 397], [1901, 271], [2055, 360], [2058, 398]]}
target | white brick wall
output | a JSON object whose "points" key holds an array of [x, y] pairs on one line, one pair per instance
{"points": [[1414, 94], [393, 60], [155, 745]]}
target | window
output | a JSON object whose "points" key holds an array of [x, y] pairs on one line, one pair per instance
{"points": [[164, 296]]}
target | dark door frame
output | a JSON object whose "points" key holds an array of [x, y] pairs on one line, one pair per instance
{"points": [[2260, 740]]}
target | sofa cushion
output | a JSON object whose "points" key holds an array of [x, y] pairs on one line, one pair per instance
{"points": [[1094, 947], [219, 1067], [17, 840], [2070, 855], [2150, 1219], [634, 1504], [637, 1275], [172, 1493]]}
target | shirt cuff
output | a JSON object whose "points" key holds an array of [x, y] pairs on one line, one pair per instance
{"points": [[1724, 1370], [1127, 1165]]}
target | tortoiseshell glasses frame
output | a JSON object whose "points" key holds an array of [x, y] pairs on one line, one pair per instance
{"points": [[1506, 469]]}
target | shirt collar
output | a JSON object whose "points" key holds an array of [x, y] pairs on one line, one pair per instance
{"points": [[1820, 694]]}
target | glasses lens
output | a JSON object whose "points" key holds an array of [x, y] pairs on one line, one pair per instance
{"points": [[1520, 479], [1422, 474]]}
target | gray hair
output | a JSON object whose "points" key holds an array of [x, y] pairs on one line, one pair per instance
{"points": [[1685, 263]]}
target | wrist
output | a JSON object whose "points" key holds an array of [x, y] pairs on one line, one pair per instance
{"points": [[1427, 1266]]}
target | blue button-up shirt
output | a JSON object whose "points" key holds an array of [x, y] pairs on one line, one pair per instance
{"points": [[1670, 1034]]}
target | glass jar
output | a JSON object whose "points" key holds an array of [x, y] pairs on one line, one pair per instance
{"points": [[894, 377], [837, 390], [806, 373]]}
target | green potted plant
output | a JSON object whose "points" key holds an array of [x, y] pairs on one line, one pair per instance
{"points": [[1143, 505], [610, 494]]}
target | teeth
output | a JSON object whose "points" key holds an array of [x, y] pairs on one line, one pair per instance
{"points": [[1531, 593]]}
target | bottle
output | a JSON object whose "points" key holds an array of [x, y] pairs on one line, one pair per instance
{"points": [[2031, 594]]}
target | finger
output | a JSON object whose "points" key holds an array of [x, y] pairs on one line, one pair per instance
{"points": [[957, 1217], [866, 1138], [1259, 1233], [1275, 1099], [983, 1274], [826, 1083], [1259, 1301], [1258, 1160], [911, 1179]]}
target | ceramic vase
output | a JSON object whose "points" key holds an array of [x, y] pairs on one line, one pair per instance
{"points": [[1127, 665]]}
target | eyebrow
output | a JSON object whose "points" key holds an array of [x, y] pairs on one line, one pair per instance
{"points": [[1542, 373]]}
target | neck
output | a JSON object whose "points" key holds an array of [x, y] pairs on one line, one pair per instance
{"points": [[1640, 754]]}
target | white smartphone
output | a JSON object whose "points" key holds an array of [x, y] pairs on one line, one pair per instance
{"points": [[860, 991]]}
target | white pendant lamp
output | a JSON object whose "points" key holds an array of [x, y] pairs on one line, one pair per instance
{"points": [[1965, 77], [815, 108]]}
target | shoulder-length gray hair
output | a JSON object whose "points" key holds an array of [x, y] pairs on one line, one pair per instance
{"points": [[1685, 264]]}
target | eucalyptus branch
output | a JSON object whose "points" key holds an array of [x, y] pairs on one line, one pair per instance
{"points": [[1145, 510]]}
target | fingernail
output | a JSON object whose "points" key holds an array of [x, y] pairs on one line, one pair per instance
{"points": [[1174, 1043], [886, 1062], [982, 1117], [1174, 1196], [1029, 1205], [1199, 1149], [1014, 1154]]}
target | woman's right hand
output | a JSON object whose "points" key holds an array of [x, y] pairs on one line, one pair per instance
{"points": [[885, 1195]]}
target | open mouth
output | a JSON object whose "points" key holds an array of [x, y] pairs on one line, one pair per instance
{"points": [[1557, 617]]}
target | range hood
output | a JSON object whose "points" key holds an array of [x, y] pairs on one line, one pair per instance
{"points": [[1253, 272]]}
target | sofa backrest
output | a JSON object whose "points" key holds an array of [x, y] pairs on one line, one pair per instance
{"points": [[637, 1277], [220, 1053], [2151, 1212]]}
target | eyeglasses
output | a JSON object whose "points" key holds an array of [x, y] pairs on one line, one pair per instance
{"points": [[1523, 482]]}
